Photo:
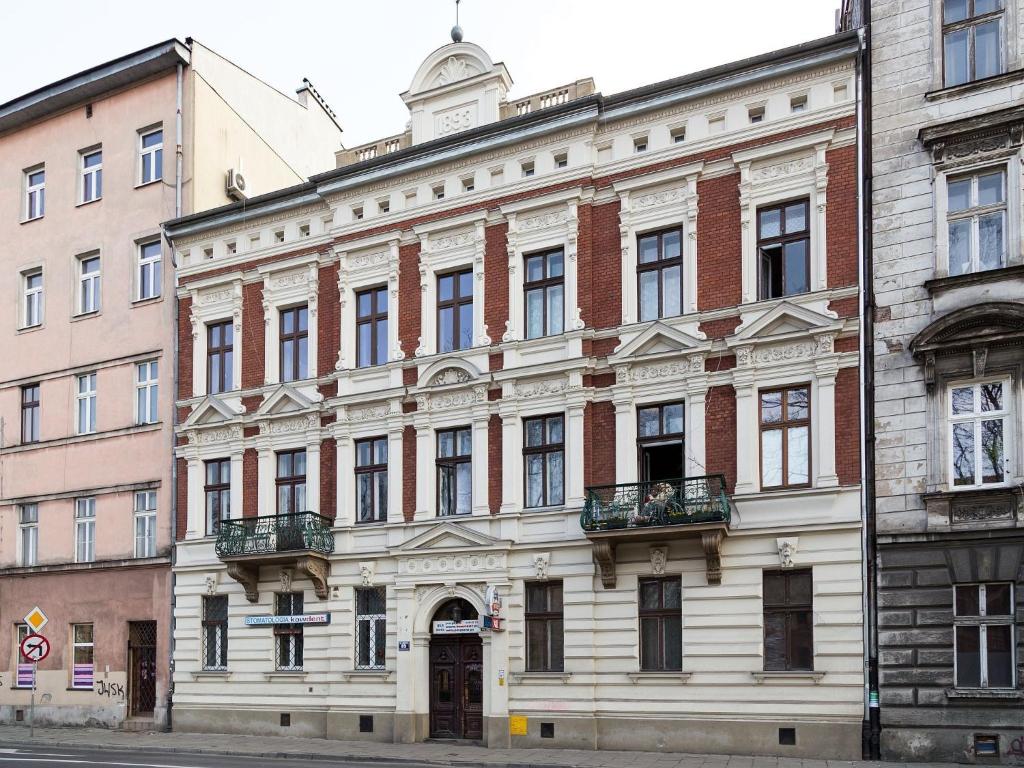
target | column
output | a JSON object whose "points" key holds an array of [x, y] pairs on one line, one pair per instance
{"points": [[266, 472], [481, 456], [395, 480], [625, 441], [496, 681], [747, 461], [511, 458], [574, 452], [823, 428], [237, 482], [696, 452], [405, 668], [344, 481], [425, 474], [195, 524], [313, 474]]}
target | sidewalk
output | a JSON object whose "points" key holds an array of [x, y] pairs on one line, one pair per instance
{"points": [[430, 754]]}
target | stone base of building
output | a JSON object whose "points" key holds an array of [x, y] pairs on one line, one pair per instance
{"points": [[951, 744]]}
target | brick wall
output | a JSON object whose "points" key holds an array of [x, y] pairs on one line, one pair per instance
{"points": [[599, 444], [496, 280], [250, 486], [328, 478], [328, 314], [848, 426], [253, 355], [841, 216], [181, 497], [409, 299], [604, 267], [185, 347], [408, 473], [494, 466], [719, 248], [720, 433]]}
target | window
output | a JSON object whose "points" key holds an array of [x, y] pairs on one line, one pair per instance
{"points": [[146, 393], [716, 124], [788, 621], [231, 247], [215, 632], [357, 213], [288, 637], [28, 523], [979, 426], [526, 168], [783, 247], [468, 184], [798, 103], [88, 284], [661, 625], [150, 277], [660, 441], [454, 471], [372, 480], [294, 344], [640, 144], [455, 311], [755, 114], [304, 228], [25, 673], [983, 621], [279, 234], [208, 252], [33, 297], [92, 176], [217, 492], [220, 357], [785, 437], [85, 530], [972, 40], [544, 635], [371, 627], [372, 327], [81, 656], [562, 160], [660, 274], [383, 206], [544, 458], [291, 482], [30, 413], [976, 220], [677, 134], [545, 291], [85, 397], [151, 156], [437, 191], [35, 194], [145, 524]]}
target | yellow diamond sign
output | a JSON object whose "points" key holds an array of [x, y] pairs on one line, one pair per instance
{"points": [[36, 619]]}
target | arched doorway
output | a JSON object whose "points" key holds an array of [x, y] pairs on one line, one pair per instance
{"points": [[456, 673]]}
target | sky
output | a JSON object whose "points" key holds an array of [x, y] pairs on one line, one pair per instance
{"points": [[361, 55]]}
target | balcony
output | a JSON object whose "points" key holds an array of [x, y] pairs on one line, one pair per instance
{"points": [[689, 507], [302, 541]]}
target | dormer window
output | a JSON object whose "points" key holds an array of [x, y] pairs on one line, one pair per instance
{"points": [[677, 134], [383, 206], [279, 236]]}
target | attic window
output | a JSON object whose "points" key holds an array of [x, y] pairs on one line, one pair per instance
{"points": [[410, 198], [437, 191], [527, 168], [640, 144], [254, 242], [208, 252], [756, 114], [231, 248], [840, 92], [497, 176], [562, 160], [716, 124], [468, 184], [304, 230], [279, 236], [677, 134], [384, 206], [357, 213], [798, 103]]}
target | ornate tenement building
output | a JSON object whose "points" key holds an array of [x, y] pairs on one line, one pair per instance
{"points": [[536, 424]]}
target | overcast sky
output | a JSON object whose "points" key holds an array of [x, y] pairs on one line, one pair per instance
{"points": [[361, 55]]}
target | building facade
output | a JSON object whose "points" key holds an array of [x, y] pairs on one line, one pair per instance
{"points": [[536, 424], [948, 330], [92, 165]]}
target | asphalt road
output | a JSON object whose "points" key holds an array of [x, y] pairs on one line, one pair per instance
{"points": [[58, 757]]}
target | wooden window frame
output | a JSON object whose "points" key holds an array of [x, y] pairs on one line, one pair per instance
{"points": [[973, 214], [788, 608], [456, 302], [371, 319], [295, 337], [292, 482], [659, 265], [292, 631], [452, 463], [221, 351], [969, 23], [662, 437], [661, 614], [783, 239], [373, 470], [376, 652], [982, 620], [218, 628], [31, 409], [543, 284], [218, 488], [784, 426], [548, 618], [543, 450]]}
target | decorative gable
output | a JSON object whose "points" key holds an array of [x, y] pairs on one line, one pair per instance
{"points": [[784, 320], [283, 400], [658, 340], [451, 536], [210, 412]]}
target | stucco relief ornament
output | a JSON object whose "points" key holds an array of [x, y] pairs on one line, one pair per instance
{"points": [[286, 579], [366, 572], [744, 356], [787, 549], [659, 558], [211, 583], [450, 376], [397, 353], [541, 562], [509, 334], [577, 321], [421, 350], [453, 70]]}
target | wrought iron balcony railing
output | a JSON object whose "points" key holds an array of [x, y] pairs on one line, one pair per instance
{"points": [[273, 534], [683, 501]]}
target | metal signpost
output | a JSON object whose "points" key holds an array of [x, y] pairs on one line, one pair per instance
{"points": [[34, 648]]}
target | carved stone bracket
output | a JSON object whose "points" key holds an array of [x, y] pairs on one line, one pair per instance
{"points": [[248, 576], [318, 570], [604, 558], [712, 541]]}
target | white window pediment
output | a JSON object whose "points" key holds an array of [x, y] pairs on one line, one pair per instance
{"points": [[285, 399], [210, 412], [448, 372], [447, 536], [658, 340], [785, 334], [363, 265]]}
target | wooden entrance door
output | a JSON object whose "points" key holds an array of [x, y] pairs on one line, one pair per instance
{"points": [[142, 667], [456, 687]]}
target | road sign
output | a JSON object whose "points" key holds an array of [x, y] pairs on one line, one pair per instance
{"points": [[35, 648], [36, 619]]}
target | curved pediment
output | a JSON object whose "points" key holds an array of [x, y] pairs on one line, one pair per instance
{"points": [[450, 64], [971, 326], [447, 372]]}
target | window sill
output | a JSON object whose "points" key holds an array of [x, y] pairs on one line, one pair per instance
{"points": [[34, 218], [984, 693], [150, 300], [85, 316], [217, 674], [142, 184], [366, 674], [955, 91], [795, 675], [88, 202], [949, 283], [30, 328], [537, 677], [659, 677], [287, 674], [74, 690]]}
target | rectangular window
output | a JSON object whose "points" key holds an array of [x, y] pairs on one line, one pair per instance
{"points": [[30, 413], [544, 460], [785, 437], [150, 276], [661, 625], [454, 471], [455, 311], [92, 175], [151, 156], [545, 294], [526, 168], [660, 441], [28, 522], [371, 627], [294, 344], [82, 660], [32, 298], [35, 194], [976, 221], [288, 637], [468, 184], [146, 392], [85, 400], [145, 524], [798, 103], [972, 40], [25, 672], [89, 284], [85, 530], [979, 431], [562, 160], [983, 620], [217, 492], [784, 247], [788, 621], [544, 627], [660, 274], [372, 480], [220, 357], [372, 327], [215, 632], [291, 482], [383, 206], [438, 192]]}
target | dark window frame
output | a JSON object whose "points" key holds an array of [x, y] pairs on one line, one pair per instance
{"points": [[455, 303], [451, 463], [372, 319], [543, 450], [968, 23], [659, 265], [548, 618], [30, 411], [781, 240], [789, 608], [223, 352], [661, 438], [543, 285], [215, 631], [292, 482], [288, 601], [662, 614], [377, 636], [218, 488], [784, 426], [373, 470], [294, 337], [982, 621]]}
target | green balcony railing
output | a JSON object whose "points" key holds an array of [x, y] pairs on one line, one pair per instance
{"points": [[275, 533], [683, 501]]}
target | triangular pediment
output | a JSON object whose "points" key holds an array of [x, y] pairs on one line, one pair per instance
{"points": [[285, 399], [448, 536], [658, 339], [785, 319], [210, 412]]}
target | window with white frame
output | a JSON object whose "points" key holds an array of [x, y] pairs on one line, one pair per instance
{"points": [[972, 40], [85, 401], [82, 660], [371, 627], [151, 156], [976, 221], [544, 288], [979, 432], [371, 471], [150, 271], [145, 523], [146, 392], [92, 175], [217, 494], [32, 298], [85, 530], [28, 525], [983, 620], [35, 193], [215, 632], [89, 284]]}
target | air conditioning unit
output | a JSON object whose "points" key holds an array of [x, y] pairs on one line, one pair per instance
{"points": [[236, 185]]}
